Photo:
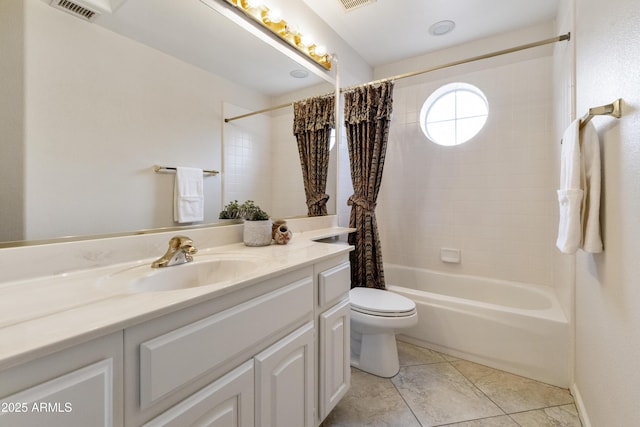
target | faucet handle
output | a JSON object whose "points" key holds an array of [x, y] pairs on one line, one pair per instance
{"points": [[184, 245], [178, 242], [180, 250]]}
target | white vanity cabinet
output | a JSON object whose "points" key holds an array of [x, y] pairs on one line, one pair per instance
{"points": [[182, 365], [81, 386], [270, 354], [333, 318]]}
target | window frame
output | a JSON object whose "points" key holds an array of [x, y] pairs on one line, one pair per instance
{"points": [[438, 95]]}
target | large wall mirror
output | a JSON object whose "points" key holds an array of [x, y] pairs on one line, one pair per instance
{"points": [[93, 106]]}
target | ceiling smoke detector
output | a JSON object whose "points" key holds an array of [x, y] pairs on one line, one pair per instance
{"points": [[349, 5], [299, 73], [441, 28]]}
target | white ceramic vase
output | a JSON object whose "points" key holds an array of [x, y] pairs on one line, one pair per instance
{"points": [[257, 233]]}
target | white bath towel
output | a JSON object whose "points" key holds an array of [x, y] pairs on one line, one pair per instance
{"points": [[188, 196], [590, 180], [570, 191]]}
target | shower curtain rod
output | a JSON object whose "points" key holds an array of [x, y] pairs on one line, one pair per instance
{"points": [[560, 38]]}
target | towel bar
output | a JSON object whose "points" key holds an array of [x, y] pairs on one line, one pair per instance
{"points": [[157, 168], [613, 109]]}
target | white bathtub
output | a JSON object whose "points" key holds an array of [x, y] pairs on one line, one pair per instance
{"points": [[515, 327]]}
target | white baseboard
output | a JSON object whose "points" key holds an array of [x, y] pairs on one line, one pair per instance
{"points": [[582, 411]]}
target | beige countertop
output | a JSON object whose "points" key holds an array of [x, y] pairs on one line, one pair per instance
{"points": [[46, 314]]}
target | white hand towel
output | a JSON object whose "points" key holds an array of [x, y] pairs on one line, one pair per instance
{"points": [[591, 240], [188, 196], [570, 192]]}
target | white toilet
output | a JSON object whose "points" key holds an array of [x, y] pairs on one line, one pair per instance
{"points": [[375, 316]]}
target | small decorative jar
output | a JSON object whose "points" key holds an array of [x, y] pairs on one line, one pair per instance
{"points": [[281, 233]]}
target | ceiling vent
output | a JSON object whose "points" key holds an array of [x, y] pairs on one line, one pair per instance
{"points": [[75, 9], [349, 5]]}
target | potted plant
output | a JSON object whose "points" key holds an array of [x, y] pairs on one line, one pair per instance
{"points": [[257, 225], [231, 213]]}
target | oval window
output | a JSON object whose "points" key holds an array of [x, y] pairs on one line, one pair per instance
{"points": [[454, 114]]}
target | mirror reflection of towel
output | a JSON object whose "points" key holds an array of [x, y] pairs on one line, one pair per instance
{"points": [[188, 195]]}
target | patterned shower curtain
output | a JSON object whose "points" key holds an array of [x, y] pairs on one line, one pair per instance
{"points": [[313, 120], [367, 116]]}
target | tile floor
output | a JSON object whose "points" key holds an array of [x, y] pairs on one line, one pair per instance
{"points": [[435, 389]]}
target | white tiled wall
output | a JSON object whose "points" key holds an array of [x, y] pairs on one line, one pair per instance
{"points": [[492, 197], [246, 168]]}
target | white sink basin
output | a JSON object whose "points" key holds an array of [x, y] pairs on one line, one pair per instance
{"points": [[202, 271]]}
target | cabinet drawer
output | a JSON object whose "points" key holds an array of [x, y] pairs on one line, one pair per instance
{"points": [[226, 402], [175, 358], [334, 284]]}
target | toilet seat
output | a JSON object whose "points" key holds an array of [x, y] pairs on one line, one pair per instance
{"points": [[378, 302]]}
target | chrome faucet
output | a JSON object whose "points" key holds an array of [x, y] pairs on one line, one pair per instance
{"points": [[180, 251]]}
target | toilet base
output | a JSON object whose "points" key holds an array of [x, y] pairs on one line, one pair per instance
{"points": [[376, 354]]}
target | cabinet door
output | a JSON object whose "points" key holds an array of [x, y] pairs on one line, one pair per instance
{"points": [[285, 383], [334, 364], [80, 398], [227, 402]]}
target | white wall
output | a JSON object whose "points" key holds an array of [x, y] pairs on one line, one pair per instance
{"points": [[608, 285], [287, 187], [491, 197], [100, 111]]}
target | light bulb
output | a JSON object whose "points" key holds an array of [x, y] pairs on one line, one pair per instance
{"points": [[306, 40], [275, 15]]}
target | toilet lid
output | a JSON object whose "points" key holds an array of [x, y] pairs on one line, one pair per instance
{"points": [[380, 302]]}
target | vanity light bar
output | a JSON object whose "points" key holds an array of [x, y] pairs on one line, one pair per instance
{"points": [[259, 13]]}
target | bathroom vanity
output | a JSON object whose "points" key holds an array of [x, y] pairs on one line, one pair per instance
{"points": [[268, 346]]}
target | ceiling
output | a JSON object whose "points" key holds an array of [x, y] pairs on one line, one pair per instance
{"points": [[197, 34], [382, 32], [386, 31]]}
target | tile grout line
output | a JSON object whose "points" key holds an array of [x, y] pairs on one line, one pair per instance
{"points": [[483, 393], [451, 363], [465, 377], [508, 414], [472, 383], [403, 399], [477, 419]]}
